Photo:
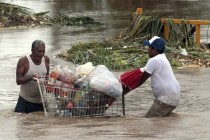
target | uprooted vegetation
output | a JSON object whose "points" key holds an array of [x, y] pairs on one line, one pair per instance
{"points": [[125, 50], [16, 16]]}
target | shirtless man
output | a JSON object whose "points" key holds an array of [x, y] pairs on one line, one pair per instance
{"points": [[29, 67]]}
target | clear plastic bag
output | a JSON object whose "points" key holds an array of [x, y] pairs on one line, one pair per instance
{"points": [[103, 81]]}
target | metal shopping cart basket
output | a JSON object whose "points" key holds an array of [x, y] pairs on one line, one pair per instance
{"points": [[69, 102]]}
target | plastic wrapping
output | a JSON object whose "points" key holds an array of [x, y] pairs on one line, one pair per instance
{"points": [[103, 81], [84, 70]]}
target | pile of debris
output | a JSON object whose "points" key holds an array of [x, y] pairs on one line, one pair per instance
{"points": [[122, 52], [13, 15]]}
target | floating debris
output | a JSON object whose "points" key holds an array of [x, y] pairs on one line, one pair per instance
{"points": [[107, 52], [126, 51], [122, 52], [64, 20], [14, 15]]}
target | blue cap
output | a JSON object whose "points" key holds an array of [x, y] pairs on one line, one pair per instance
{"points": [[156, 43]]}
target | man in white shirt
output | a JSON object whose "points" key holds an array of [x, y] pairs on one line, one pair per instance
{"points": [[165, 87]]}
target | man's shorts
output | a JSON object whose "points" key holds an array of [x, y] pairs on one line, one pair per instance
{"points": [[27, 107], [159, 109]]}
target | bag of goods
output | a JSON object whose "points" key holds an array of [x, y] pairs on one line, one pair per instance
{"points": [[81, 97], [103, 81], [81, 103], [82, 83], [84, 70], [54, 75], [101, 103], [52, 81], [61, 81], [66, 76]]}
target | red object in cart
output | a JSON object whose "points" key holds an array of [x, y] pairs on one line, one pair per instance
{"points": [[131, 78]]}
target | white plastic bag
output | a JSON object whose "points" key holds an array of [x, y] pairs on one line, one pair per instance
{"points": [[183, 51], [103, 81], [84, 70]]}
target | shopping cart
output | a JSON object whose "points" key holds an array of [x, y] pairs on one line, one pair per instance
{"points": [[70, 102]]}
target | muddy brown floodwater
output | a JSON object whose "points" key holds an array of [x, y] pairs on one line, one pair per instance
{"points": [[190, 120]]}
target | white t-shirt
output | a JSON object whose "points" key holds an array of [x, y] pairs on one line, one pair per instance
{"points": [[164, 85]]}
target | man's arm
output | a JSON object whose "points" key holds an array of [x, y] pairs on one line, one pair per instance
{"points": [[144, 77], [21, 70]]}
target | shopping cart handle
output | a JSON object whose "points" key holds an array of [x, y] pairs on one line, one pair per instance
{"points": [[34, 78]]}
